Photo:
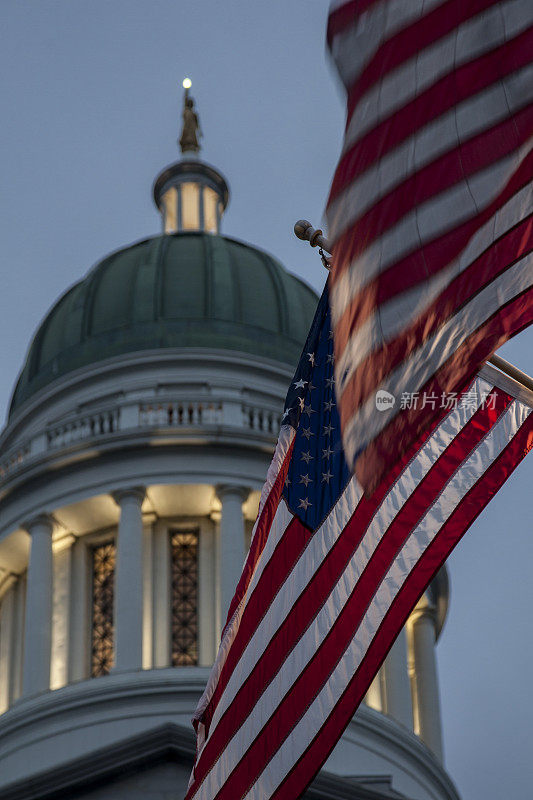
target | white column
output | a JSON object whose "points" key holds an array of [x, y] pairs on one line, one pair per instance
{"points": [[373, 696], [161, 595], [38, 621], [7, 627], [61, 611], [215, 517], [129, 581], [421, 628], [148, 611], [18, 644], [80, 595], [231, 542], [396, 689]]}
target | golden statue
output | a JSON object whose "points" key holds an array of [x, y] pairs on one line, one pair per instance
{"points": [[190, 132]]}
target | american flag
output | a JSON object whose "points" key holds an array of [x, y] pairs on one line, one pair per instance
{"points": [[332, 576], [430, 208]]}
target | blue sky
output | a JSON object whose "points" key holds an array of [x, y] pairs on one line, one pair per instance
{"points": [[91, 99]]}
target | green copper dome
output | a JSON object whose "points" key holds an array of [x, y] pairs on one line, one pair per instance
{"points": [[180, 290]]}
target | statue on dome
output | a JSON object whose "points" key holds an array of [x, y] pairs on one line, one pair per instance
{"points": [[190, 132]]}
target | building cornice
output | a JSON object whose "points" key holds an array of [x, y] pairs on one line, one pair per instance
{"points": [[134, 364], [164, 700], [167, 742], [410, 747]]}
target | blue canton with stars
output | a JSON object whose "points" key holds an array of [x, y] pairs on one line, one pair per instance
{"points": [[318, 473]]}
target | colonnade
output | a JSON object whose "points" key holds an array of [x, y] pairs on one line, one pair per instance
{"points": [[421, 629], [407, 689]]}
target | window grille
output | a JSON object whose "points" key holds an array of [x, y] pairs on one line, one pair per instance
{"points": [[103, 583], [184, 572]]}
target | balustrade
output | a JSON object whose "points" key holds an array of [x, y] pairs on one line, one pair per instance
{"points": [[180, 414], [84, 427], [142, 415], [13, 460], [260, 419]]}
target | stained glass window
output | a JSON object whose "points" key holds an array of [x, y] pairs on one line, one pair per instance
{"points": [[184, 566], [103, 581]]}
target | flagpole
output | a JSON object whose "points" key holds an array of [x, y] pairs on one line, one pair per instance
{"points": [[305, 231], [512, 371]]}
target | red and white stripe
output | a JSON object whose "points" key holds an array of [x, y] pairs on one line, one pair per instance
{"points": [[316, 613], [430, 207]]}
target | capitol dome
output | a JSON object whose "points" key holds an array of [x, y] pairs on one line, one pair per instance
{"points": [[140, 433], [187, 289]]}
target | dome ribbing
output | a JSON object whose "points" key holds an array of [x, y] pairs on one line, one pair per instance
{"points": [[172, 291]]}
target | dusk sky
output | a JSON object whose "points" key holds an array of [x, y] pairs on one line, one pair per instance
{"points": [[91, 99]]}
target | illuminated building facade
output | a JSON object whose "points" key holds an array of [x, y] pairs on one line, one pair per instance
{"points": [[139, 435]]}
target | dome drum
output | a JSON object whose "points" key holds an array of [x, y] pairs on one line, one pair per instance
{"points": [[167, 396]]}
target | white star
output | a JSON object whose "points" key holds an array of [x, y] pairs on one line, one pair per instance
{"points": [[285, 413], [330, 358], [304, 503], [306, 479], [328, 429], [330, 382], [287, 481], [308, 410], [307, 457], [311, 357], [327, 452], [300, 384], [328, 405], [307, 432], [326, 476], [301, 402], [311, 387], [330, 336]]}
